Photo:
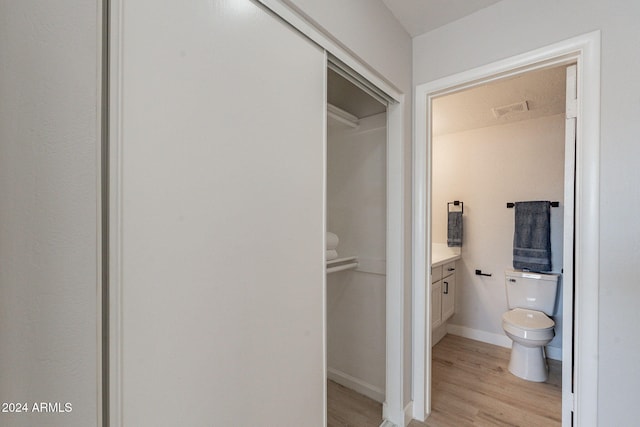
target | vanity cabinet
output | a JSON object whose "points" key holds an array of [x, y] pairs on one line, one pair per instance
{"points": [[443, 293], [436, 304], [448, 290]]}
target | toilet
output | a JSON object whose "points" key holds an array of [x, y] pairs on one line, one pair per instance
{"points": [[531, 298]]}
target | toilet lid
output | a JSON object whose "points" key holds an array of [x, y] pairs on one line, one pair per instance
{"points": [[528, 319]]}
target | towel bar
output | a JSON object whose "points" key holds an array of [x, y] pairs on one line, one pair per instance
{"points": [[553, 204]]}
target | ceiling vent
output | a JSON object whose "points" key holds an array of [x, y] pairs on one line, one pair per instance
{"points": [[518, 107]]}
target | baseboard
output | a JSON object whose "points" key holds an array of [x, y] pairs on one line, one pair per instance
{"points": [[408, 413], [438, 333], [356, 384], [554, 353], [478, 335]]}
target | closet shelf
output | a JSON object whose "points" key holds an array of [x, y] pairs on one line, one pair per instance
{"points": [[341, 116], [340, 264]]}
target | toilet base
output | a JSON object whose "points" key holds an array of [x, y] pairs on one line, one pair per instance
{"points": [[528, 363]]}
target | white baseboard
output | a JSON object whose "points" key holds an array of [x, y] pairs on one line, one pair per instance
{"points": [[554, 353], [408, 413], [438, 333], [478, 335], [356, 384]]}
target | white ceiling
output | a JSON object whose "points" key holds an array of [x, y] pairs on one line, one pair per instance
{"points": [[421, 16], [544, 91]]}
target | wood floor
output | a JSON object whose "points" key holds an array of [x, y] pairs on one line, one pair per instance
{"points": [[471, 386]]}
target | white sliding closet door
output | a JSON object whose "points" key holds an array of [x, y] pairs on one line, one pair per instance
{"points": [[221, 176]]}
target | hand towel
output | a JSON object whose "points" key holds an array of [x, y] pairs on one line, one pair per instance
{"points": [[332, 241], [532, 236], [331, 254], [454, 229]]}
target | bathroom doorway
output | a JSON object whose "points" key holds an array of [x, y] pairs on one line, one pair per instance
{"points": [[492, 145], [580, 368]]}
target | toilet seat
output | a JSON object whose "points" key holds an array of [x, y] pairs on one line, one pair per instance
{"points": [[528, 324]]}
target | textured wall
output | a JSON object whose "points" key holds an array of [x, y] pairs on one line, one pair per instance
{"points": [[356, 211], [485, 168], [48, 215]]}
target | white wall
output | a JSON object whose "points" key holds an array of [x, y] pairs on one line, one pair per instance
{"points": [[369, 30], [49, 142], [512, 27], [356, 212], [486, 168]]}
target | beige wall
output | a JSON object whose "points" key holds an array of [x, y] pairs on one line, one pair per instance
{"points": [[486, 168], [49, 144], [356, 212], [512, 27]]}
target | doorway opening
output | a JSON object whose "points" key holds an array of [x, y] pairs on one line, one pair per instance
{"points": [[356, 207], [492, 145], [579, 398]]}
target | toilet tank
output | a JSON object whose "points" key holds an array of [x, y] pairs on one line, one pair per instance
{"points": [[534, 291]]}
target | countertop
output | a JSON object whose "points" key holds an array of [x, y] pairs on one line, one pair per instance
{"points": [[442, 254]]}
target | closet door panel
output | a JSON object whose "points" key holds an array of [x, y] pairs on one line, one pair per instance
{"points": [[222, 172]]}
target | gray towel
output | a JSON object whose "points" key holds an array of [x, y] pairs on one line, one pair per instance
{"points": [[532, 236], [454, 229]]}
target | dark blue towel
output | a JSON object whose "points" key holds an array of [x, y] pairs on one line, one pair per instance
{"points": [[532, 236], [454, 229]]}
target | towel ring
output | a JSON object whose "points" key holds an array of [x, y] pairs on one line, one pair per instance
{"points": [[456, 203]]}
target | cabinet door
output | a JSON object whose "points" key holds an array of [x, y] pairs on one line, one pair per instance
{"points": [[448, 296], [436, 304]]}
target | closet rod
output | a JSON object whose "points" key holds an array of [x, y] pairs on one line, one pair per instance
{"points": [[342, 267]]}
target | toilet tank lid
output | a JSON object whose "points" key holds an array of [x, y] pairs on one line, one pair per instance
{"points": [[551, 277]]}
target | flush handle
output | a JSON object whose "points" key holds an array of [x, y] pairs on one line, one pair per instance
{"points": [[446, 288], [512, 280]]}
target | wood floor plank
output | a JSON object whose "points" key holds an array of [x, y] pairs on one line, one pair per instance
{"points": [[347, 408], [471, 386]]}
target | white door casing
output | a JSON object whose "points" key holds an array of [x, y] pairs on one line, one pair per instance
{"points": [[585, 50], [571, 112]]}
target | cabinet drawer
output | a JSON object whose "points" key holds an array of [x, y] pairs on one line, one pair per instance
{"points": [[448, 269], [436, 273]]}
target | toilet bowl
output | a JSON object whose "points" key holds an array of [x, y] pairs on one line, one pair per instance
{"points": [[531, 299], [531, 331]]}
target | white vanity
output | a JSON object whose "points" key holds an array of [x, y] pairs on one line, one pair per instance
{"points": [[443, 288]]}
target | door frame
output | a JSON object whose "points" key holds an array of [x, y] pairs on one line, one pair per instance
{"points": [[585, 51]]}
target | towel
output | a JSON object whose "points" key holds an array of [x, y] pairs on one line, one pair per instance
{"points": [[532, 236], [332, 241], [331, 254], [454, 229]]}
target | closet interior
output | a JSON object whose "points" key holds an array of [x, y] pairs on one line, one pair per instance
{"points": [[356, 237]]}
